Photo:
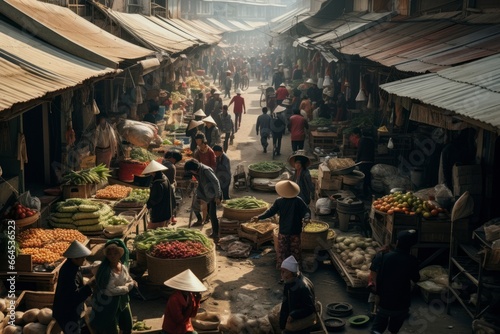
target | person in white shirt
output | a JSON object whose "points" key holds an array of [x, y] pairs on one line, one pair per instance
{"points": [[105, 141]]}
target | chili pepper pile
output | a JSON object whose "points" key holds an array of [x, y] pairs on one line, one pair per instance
{"points": [[178, 249]]}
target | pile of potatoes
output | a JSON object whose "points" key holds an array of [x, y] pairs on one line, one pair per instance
{"points": [[33, 321]]}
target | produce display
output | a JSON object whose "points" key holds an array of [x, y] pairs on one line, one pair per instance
{"points": [[33, 321], [47, 246], [166, 142], [87, 176], [178, 249], [320, 121], [357, 253], [267, 166], [340, 163], [136, 198], [245, 203], [117, 220], [82, 215], [314, 173], [140, 326], [407, 203], [142, 155], [19, 211], [313, 227], [146, 240], [259, 227], [113, 192]]}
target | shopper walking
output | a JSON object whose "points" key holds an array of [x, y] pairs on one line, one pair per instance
{"points": [[278, 126], [227, 127], [297, 126], [302, 176], [264, 126], [223, 171], [238, 109]]}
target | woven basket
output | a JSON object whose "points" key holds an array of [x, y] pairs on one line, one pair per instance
{"points": [[242, 214], [267, 223], [140, 258], [25, 221], [263, 175], [309, 240], [160, 270]]}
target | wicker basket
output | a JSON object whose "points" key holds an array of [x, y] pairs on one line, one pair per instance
{"points": [[309, 240], [268, 224], [160, 270], [140, 258], [263, 175], [242, 214], [25, 221]]}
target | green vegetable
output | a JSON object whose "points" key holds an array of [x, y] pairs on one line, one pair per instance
{"points": [[167, 142], [142, 155], [245, 203], [267, 166], [146, 240], [321, 122]]}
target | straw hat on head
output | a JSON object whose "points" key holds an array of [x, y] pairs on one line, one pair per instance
{"points": [[194, 124], [299, 156], [76, 250], [286, 102], [163, 93], [200, 112], [287, 189], [310, 81], [113, 245], [186, 281], [238, 91], [228, 72], [290, 264], [279, 109], [282, 84], [209, 119], [216, 92], [153, 167]]}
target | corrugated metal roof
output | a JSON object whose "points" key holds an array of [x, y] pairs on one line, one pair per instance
{"points": [[164, 23], [290, 20], [471, 90], [68, 31], [30, 68], [149, 33], [423, 44], [193, 29]]}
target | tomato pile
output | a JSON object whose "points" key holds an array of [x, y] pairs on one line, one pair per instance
{"points": [[19, 211], [407, 203], [178, 249]]}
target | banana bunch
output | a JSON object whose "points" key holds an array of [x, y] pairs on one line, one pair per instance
{"points": [[87, 176], [140, 326]]}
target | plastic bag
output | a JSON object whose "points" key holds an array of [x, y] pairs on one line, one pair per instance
{"points": [[396, 181], [383, 170], [239, 249], [443, 195], [30, 201], [430, 286], [324, 206], [138, 133]]}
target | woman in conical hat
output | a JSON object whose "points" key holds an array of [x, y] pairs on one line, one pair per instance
{"points": [[161, 197], [71, 292], [302, 176], [183, 304]]}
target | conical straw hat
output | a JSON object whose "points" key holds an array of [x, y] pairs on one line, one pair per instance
{"points": [[76, 250], [154, 166], [287, 189], [186, 281], [209, 119], [194, 124], [299, 156], [200, 112]]}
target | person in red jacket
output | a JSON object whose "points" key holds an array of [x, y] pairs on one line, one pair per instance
{"points": [[297, 126], [183, 304], [281, 94]]}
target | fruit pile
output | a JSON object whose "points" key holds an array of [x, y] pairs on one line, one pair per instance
{"points": [[19, 211], [47, 246], [407, 203], [178, 249]]}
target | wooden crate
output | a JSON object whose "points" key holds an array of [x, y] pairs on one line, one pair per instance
{"points": [[34, 299], [256, 238], [438, 230], [40, 281], [228, 226], [77, 191]]}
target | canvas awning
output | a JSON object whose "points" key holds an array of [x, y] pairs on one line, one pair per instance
{"points": [[192, 30], [31, 69], [66, 30], [471, 90]]}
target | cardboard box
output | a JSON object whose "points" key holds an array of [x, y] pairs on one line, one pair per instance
{"points": [[88, 162], [77, 191], [335, 183]]}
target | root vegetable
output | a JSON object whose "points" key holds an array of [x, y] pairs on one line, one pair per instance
{"points": [[13, 330], [18, 318], [45, 316], [30, 315]]}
